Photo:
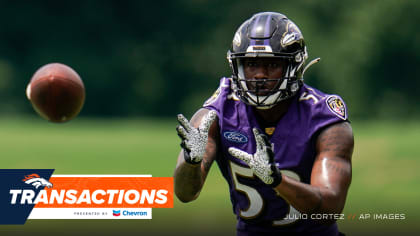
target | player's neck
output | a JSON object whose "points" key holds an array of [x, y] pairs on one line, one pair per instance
{"points": [[274, 114]]}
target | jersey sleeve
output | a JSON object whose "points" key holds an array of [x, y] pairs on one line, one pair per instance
{"points": [[217, 100], [324, 109], [331, 109]]}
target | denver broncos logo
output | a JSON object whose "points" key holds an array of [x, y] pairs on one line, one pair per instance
{"points": [[36, 181]]}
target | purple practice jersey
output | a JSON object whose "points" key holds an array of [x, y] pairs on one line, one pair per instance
{"points": [[259, 210]]}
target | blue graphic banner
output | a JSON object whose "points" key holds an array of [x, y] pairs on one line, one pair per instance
{"points": [[18, 191]]}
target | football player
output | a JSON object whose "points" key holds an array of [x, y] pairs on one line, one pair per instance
{"points": [[284, 147]]}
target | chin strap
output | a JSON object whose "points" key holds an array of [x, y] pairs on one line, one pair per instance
{"points": [[316, 60]]}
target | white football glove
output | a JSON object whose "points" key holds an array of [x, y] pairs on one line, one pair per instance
{"points": [[194, 140], [262, 162]]}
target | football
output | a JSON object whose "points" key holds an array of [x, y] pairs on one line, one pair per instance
{"points": [[57, 92]]}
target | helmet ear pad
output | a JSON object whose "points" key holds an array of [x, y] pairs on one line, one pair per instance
{"points": [[273, 35]]}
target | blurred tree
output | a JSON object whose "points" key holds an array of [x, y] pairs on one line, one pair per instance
{"points": [[160, 58]]}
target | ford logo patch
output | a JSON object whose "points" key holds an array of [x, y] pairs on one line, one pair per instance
{"points": [[235, 137]]}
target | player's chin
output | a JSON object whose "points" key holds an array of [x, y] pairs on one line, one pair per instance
{"points": [[261, 92]]}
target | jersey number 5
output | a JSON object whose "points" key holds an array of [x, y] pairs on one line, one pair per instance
{"points": [[256, 202]]}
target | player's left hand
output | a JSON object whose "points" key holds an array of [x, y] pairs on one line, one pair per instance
{"points": [[194, 140], [262, 162]]}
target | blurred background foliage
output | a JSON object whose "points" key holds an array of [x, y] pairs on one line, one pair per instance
{"points": [[160, 58]]}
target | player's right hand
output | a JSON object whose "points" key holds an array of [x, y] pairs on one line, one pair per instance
{"points": [[194, 140], [262, 161]]}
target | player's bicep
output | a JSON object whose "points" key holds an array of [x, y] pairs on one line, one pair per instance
{"points": [[332, 167]]}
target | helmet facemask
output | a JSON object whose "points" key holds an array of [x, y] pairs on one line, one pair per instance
{"points": [[262, 92]]}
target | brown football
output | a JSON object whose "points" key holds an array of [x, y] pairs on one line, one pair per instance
{"points": [[56, 92]]}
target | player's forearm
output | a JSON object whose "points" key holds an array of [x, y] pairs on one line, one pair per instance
{"points": [[330, 177], [188, 181], [310, 199]]}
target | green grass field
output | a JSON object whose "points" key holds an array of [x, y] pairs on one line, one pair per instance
{"points": [[385, 173]]}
